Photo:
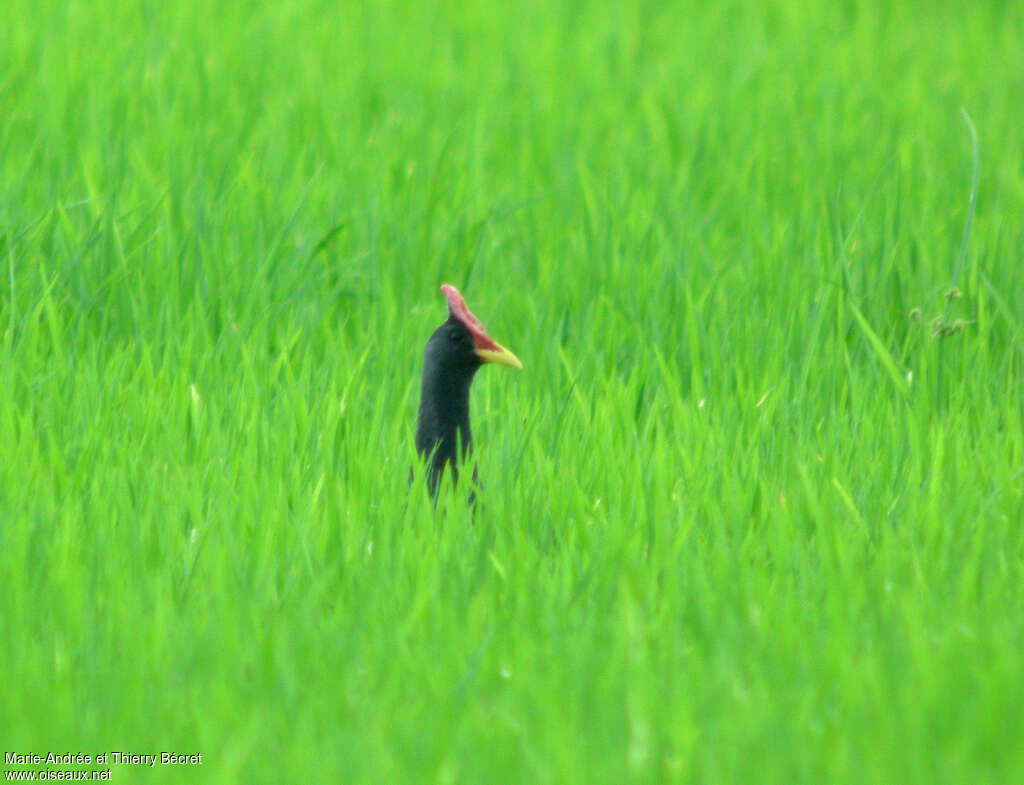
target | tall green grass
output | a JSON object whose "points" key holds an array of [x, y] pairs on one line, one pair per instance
{"points": [[748, 515]]}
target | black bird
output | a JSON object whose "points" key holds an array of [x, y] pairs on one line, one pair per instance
{"points": [[453, 354]]}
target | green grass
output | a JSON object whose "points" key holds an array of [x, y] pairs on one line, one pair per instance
{"points": [[744, 519]]}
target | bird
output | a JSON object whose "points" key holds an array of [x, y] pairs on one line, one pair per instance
{"points": [[453, 355]]}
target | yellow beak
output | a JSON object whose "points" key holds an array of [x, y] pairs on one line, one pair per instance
{"points": [[499, 355]]}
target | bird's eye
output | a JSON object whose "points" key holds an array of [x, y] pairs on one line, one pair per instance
{"points": [[455, 336]]}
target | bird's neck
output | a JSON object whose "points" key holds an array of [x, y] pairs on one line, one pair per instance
{"points": [[444, 414]]}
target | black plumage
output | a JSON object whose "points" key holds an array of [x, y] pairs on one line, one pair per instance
{"points": [[453, 355], [442, 427]]}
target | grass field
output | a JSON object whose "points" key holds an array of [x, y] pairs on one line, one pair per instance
{"points": [[752, 512]]}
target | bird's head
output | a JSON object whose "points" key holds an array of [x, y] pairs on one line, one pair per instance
{"points": [[462, 342]]}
